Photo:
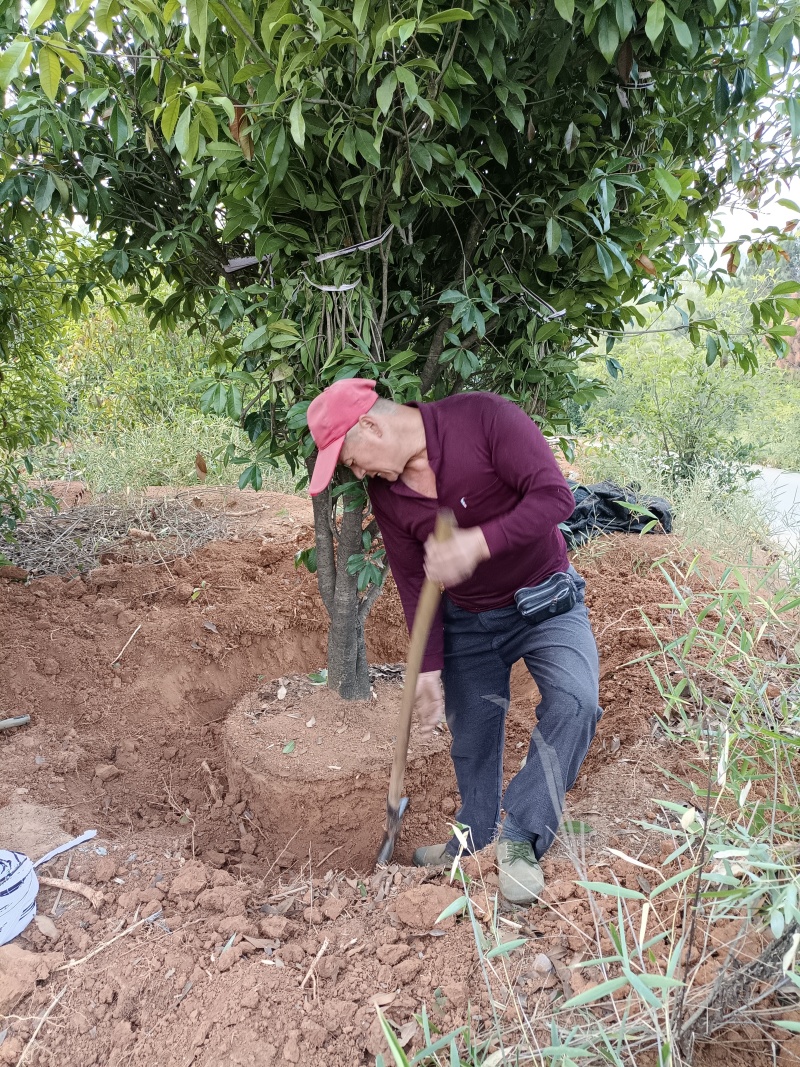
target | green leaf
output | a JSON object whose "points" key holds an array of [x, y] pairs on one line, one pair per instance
{"points": [[454, 908], [455, 14], [506, 947], [553, 235], [182, 131], [207, 120], [288, 749], [655, 20], [49, 72], [497, 148], [668, 182], [572, 138], [360, 14], [103, 15], [589, 996], [557, 58], [386, 92], [255, 339], [13, 59], [683, 34], [605, 260], [366, 147], [227, 106], [169, 117], [722, 95], [566, 9], [297, 124], [399, 1057], [197, 13], [608, 889], [782, 288], [608, 36], [40, 12], [575, 826]]}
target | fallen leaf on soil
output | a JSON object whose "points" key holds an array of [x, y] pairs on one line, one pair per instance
{"points": [[141, 535], [311, 722], [46, 926], [365, 738], [382, 1000], [281, 694], [288, 749], [210, 626], [542, 964], [407, 1032]]}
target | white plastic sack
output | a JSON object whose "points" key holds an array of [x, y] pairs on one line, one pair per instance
{"points": [[19, 886]]}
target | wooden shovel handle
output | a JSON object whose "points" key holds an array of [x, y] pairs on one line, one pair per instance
{"points": [[420, 631]]}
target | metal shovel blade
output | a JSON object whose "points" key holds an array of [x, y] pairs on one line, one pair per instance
{"points": [[394, 817]]}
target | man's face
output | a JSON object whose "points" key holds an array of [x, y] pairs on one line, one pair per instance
{"points": [[368, 450]]}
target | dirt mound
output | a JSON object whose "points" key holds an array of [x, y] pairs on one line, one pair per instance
{"points": [[315, 772]]}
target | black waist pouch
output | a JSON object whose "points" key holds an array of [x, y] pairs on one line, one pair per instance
{"points": [[552, 597]]}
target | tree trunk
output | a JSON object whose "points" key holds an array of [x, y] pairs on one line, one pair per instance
{"points": [[348, 671]]}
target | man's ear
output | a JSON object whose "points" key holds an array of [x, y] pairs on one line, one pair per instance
{"points": [[369, 424]]}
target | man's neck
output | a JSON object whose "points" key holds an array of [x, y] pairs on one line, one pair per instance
{"points": [[413, 431]]}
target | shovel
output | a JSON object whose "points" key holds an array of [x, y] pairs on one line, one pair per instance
{"points": [[426, 609]]}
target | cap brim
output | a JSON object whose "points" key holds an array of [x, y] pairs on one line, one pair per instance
{"points": [[327, 458]]}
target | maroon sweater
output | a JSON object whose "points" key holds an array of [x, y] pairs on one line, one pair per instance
{"points": [[495, 470]]}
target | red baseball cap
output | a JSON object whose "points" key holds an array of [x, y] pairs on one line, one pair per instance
{"points": [[330, 415]]}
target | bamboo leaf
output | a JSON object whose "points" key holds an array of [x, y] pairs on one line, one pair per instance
{"points": [[608, 889], [506, 947], [455, 908], [589, 996]]}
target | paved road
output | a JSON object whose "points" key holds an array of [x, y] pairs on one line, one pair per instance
{"points": [[780, 490]]}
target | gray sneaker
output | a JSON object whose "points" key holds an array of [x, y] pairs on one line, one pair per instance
{"points": [[521, 878], [432, 856]]}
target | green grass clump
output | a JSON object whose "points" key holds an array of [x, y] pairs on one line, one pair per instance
{"points": [[160, 453]]}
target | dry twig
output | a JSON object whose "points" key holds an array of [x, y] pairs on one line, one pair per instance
{"points": [[72, 541]]}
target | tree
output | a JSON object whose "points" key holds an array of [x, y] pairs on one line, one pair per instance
{"points": [[435, 197], [42, 271]]}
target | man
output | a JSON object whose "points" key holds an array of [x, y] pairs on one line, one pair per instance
{"points": [[485, 459]]}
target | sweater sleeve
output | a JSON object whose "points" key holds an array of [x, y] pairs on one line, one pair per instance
{"points": [[406, 557], [522, 459]]}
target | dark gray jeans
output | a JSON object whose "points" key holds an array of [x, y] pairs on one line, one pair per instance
{"points": [[561, 654]]}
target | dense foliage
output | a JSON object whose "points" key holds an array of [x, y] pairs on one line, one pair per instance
{"points": [[433, 196]]}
